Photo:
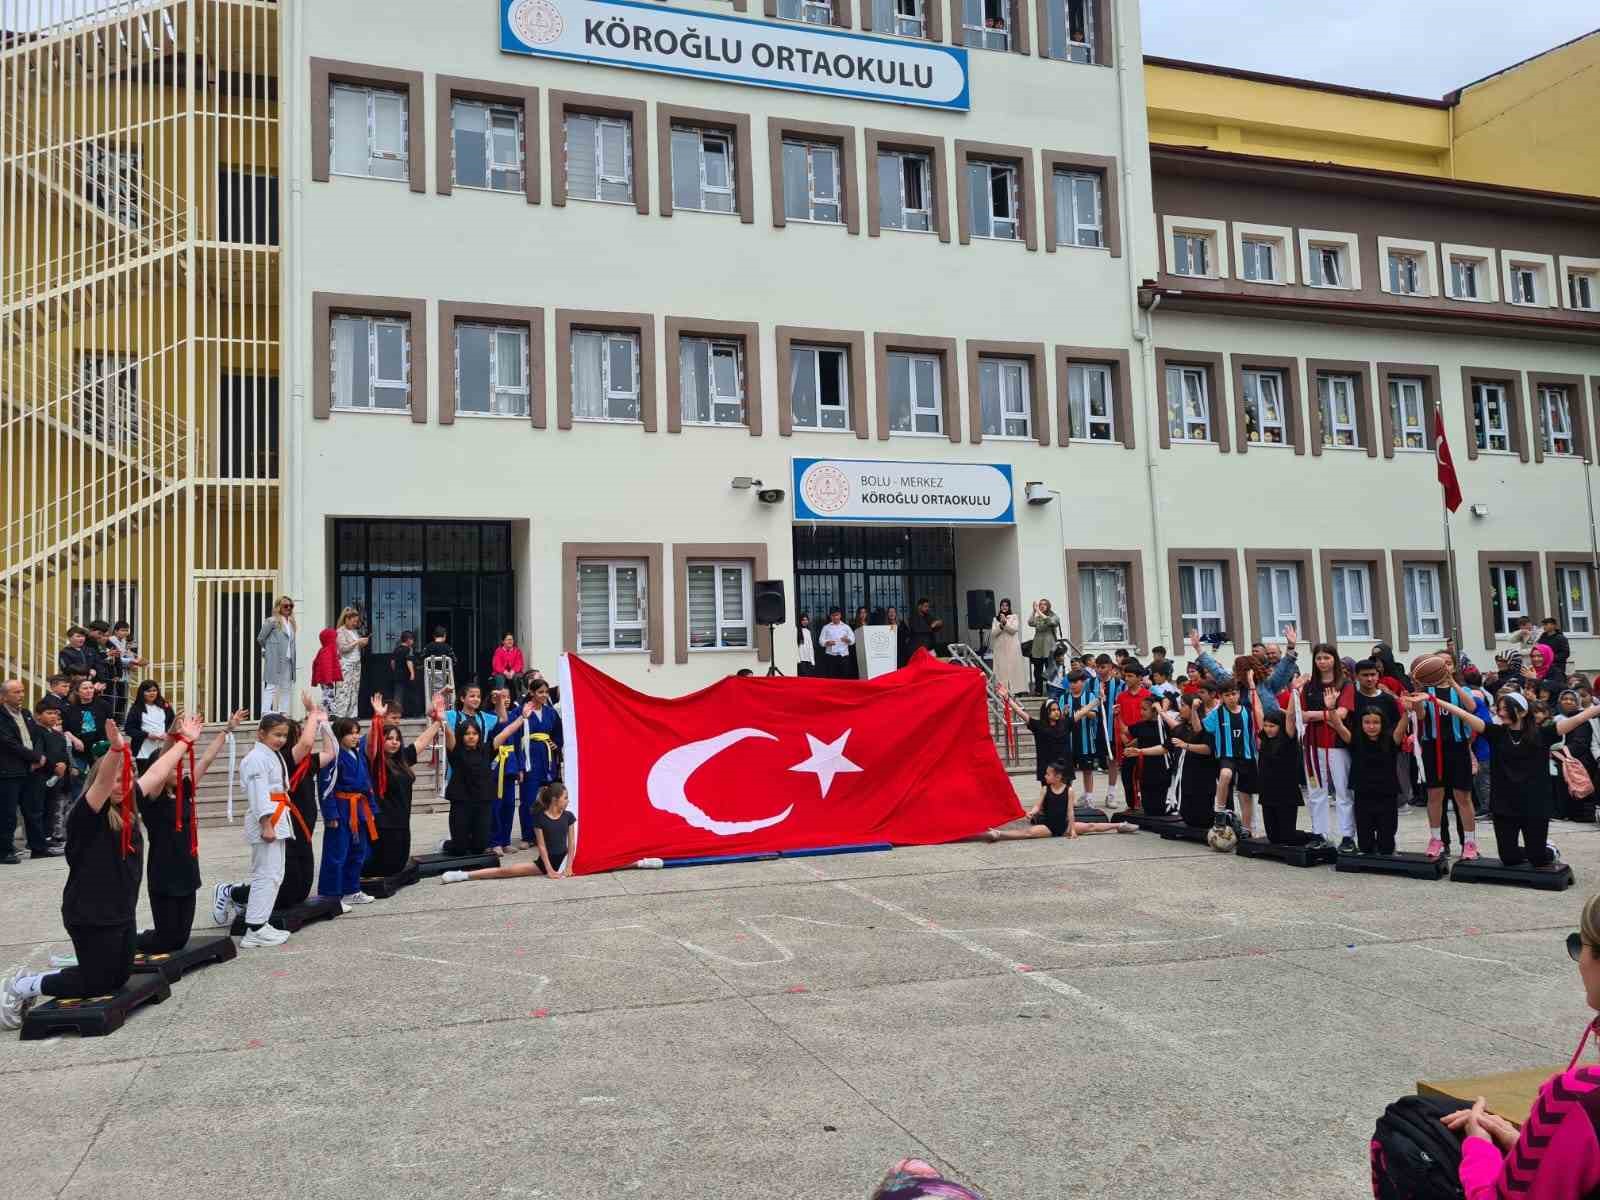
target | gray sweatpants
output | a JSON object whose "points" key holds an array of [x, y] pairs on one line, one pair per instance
{"points": [[266, 877]]}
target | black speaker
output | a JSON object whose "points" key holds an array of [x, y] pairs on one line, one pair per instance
{"points": [[771, 608], [980, 608]]}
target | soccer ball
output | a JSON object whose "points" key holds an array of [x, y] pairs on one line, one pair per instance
{"points": [[1222, 838]]}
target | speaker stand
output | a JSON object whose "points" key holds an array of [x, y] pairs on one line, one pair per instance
{"points": [[772, 654]]}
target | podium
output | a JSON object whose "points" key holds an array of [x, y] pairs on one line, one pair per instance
{"points": [[876, 651]]}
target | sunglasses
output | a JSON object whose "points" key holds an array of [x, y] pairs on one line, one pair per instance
{"points": [[1575, 946]]}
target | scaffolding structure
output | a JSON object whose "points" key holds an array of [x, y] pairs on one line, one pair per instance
{"points": [[139, 276]]}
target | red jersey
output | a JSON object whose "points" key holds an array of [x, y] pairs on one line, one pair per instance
{"points": [[1130, 707], [1320, 734]]}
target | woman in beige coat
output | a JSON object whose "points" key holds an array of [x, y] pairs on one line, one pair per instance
{"points": [[1005, 637]]}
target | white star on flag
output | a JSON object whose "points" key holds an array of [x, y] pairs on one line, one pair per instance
{"points": [[827, 760]]}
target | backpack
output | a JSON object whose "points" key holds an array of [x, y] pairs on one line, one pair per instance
{"points": [[1579, 785], [1413, 1156]]}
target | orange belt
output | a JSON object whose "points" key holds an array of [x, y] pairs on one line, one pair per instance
{"points": [[359, 805], [280, 802]]}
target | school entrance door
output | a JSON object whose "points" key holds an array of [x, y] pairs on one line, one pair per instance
{"points": [[851, 566], [417, 575]]}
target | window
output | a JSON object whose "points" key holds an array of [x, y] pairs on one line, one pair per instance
{"points": [[1572, 599], [599, 158], [1525, 281], [247, 208], [1070, 30], [368, 132], [702, 169], [905, 200], [491, 370], [108, 399], [986, 24], [719, 605], [819, 388], [1325, 266], [1464, 278], [1188, 405], [1352, 602], [111, 181], [605, 376], [1405, 274], [1423, 611], [1336, 396], [1505, 598], [915, 403], [1003, 395], [1191, 254], [486, 141], [1278, 599], [1491, 422], [903, 18], [712, 379], [1080, 220], [1408, 414], [1103, 598], [1259, 259], [371, 363], [1089, 403], [1556, 414], [1200, 597], [611, 604], [1263, 408], [811, 182], [1582, 290], [996, 206], [812, 12]]}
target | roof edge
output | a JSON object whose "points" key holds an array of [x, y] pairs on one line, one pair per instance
{"points": [[1338, 89]]}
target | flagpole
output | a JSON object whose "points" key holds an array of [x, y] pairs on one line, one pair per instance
{"points": [[1450, 565]]}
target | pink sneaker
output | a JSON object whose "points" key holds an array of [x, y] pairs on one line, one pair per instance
{"points": [[1435, 848], [1469, 852]]}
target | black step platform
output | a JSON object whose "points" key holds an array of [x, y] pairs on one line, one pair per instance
{"points": [[1156, 822], [1179, 832], [1294, 856], [384, 886], [94, 1016], [1407, 863], [1089, 815], [430, 865], [1492, 870], [292, 920], [199, 952]]}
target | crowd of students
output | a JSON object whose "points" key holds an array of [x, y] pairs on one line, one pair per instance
{"points": [[1351, 741]]}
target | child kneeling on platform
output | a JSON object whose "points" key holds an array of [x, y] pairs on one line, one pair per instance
{"points": [[552, 832], [1281, 773], [105, 865], [1053, 816]]}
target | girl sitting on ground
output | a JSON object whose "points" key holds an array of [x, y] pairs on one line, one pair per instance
{"points": [[1053, 816], [552, 826]]}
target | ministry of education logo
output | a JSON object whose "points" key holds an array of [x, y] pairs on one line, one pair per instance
{"points": [[536, 22], [826, 489]]}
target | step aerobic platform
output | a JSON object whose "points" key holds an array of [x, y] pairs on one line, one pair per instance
{"points": [[200, 952], [1492, 870], [1407, 863], [94, 1016], [1294, 856]]}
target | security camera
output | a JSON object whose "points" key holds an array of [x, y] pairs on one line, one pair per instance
{"points": [[770, 495]]}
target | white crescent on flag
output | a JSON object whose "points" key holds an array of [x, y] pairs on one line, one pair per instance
{"points": [[669, 777]]}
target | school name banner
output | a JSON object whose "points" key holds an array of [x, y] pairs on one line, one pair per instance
{"points": [[799, 57], [761, 765], [905, 493]]}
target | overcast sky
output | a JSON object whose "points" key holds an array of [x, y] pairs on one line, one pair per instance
{"points": [[1416, 47]]}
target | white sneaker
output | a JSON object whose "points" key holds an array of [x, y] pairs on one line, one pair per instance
{"points": [[61, 959], [358, 898], [12, 1006], [453, 877], [223, 909], [267, 935]]}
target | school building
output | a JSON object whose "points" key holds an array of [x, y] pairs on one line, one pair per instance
{"points": [[592, 314]]}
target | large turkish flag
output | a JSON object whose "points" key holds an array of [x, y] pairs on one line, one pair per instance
{"points": [[754, 764]]}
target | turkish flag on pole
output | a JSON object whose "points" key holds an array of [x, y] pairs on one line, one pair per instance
{"points": [[751, 765], [1447, 465]]}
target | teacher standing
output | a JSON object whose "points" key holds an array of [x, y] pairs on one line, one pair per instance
{"points": [[349, 643], [1046, 628], [1005, 635], [276, 641]]}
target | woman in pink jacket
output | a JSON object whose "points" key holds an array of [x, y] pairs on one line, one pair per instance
{"points": [[507, 665], [1556, 1156]]}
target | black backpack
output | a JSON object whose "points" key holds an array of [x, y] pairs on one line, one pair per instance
{"points": [[1413, 1156]]}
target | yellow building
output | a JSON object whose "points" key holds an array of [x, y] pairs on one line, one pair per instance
{"points": [[1534, 124], [138, 336]]}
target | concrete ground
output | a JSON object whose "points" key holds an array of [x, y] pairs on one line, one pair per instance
{"points": [[1119, 1016]]}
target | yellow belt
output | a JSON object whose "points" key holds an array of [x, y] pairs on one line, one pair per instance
{"points": [[502, 753]]}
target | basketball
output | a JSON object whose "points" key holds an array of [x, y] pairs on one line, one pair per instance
{"points": [[1430, 670]]}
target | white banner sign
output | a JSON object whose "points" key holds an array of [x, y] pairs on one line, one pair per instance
{"points": [[779, 54], [843, 489]]}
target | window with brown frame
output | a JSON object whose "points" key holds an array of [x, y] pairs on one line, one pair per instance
{"points": [[1340, 405], [995, 193], [713, 374], [918, 387], [598, 146]]}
